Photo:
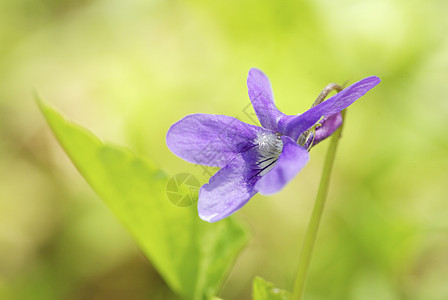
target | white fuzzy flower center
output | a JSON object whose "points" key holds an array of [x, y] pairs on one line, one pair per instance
{"points": [[269, 148]]}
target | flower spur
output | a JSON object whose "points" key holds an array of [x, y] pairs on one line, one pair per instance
{"points": [[256, 159]]}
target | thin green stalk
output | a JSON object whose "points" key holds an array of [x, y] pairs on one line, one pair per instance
{"points": [[313, 226]]}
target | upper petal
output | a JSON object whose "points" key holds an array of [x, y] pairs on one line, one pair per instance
{"points": [[293, 126], [292, 159], [260, 94], [211, 140]]}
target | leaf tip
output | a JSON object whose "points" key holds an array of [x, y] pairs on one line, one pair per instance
{"points": [[43, 107]]}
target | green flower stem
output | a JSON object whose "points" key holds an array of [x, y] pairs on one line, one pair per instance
{"points": [[313, 226]]}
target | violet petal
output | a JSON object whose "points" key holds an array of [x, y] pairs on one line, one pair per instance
{"points": [[232, 186], [328, 127], [260, 94], [211, 140], [227, 191], [293, 126], [292, 159]]}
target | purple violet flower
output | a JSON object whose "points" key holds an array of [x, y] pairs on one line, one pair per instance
{"points": [[255, 159]]}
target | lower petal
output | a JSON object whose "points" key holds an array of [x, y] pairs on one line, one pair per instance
{"points": [[292, 159], [227, 191], [258, 169]]}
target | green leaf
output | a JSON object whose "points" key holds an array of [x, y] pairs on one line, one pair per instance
{"points": [[192, 256], [263, 290]]}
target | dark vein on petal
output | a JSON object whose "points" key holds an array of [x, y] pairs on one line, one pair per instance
{"points": [[261, 170], [260, 162]]}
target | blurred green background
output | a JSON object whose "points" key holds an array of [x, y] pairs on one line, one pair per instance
{"points": [[129, 69]]}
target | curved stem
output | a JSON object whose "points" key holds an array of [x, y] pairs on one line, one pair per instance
{"points": [[313, 226], [326, 91]]}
